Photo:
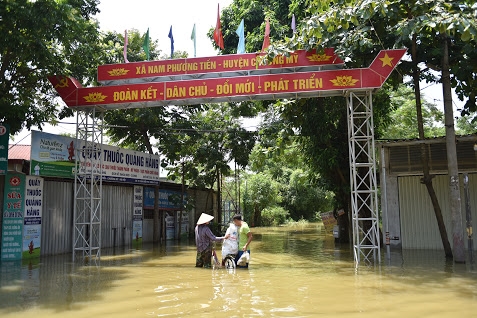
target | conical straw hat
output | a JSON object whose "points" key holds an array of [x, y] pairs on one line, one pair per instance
{"points": [[204, 218]]}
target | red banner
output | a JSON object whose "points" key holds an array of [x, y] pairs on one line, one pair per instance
{"points": [[268, 86], [216, 64]]}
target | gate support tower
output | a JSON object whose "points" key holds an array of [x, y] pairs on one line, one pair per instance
{"points": [[88, 185], [364, 192], [236, 78]]}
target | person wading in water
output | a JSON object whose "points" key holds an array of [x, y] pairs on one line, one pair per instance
{"points": [[245, 237], [203, 240]]}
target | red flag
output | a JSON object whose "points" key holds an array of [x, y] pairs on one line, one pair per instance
{"points": [[218, 38], [266, 39]]}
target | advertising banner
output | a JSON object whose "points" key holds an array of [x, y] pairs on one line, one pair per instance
{"points": [[170, 225], [137, 216], [328, 221], [168, 199], [13, 208], [4, 138], [54, 156], [215, 64], [32, 217]]}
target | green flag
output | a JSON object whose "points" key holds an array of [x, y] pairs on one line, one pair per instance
{"points": [[145, 45], [192, 37]]}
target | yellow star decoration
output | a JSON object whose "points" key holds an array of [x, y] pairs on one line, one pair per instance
{"points": [[95, 97], [118, 72], [387, 60], [344, 81], [319, 57]]}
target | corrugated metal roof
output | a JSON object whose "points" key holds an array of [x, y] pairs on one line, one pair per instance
{"points": [[416, 141], [21, 152]]}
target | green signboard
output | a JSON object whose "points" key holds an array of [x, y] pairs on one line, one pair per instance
{"points": [[4, 137], [13, 209]]}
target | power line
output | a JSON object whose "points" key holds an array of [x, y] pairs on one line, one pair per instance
{"points": [[13, 145]]}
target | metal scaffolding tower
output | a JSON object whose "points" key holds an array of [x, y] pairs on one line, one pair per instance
{"points": [[88, 185], [364, 193]]}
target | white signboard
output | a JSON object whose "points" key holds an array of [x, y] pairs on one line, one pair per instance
{"points": [[55, 156]]}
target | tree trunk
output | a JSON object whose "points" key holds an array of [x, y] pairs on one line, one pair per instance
{"points": [[452, 166], [427, 177]]}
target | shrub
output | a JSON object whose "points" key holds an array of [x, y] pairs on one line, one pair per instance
{"points": [[274, 216]]}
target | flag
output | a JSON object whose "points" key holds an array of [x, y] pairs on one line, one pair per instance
{"points": [[145, 45], [192, 37], [172, 41], [125, 49], [293, 25], [218, 38], [266, 39], [241, 43]]}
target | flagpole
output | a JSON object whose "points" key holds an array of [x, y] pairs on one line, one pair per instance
{"points": [[125, 49]]}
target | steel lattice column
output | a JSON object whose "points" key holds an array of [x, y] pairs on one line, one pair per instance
{"points": [[88, 185], [364, 194]]}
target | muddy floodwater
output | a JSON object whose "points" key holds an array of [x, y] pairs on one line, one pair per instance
{"points": [[294, 272]]}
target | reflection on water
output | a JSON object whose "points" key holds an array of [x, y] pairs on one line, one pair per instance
{"points": [[294, 272]]}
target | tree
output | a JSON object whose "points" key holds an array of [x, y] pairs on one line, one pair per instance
{"points": [[260, 192], [280, 154], [207, 146], [38, 39], [404, 117], [438, 33], [404, 123]]}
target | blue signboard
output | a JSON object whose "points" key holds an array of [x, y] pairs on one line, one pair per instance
{"points": [[168, 199]]}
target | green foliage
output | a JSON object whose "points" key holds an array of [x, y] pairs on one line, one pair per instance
{"points": [[259, 192], [253, 13], [38, 39], [359, 28], [404, 117], [302, 198], [466, 125], [280, 155], [112, 44], [274, 216], [207, 145]]}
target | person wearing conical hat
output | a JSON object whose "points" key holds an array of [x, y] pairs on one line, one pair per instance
{"points": [[203, 240]]}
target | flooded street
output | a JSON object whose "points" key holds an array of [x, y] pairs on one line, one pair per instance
{"points": [[294, 272]]}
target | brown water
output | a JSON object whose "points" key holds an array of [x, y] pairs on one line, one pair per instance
{"points": [[294, 272]]}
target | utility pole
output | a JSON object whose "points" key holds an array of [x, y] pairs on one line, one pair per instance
{"points": [[468, 218], [453, 170]]}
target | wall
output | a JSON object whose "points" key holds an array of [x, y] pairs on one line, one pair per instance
{"points": [[57, 222], [418, 223], [117, 211], [57, 218]]}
